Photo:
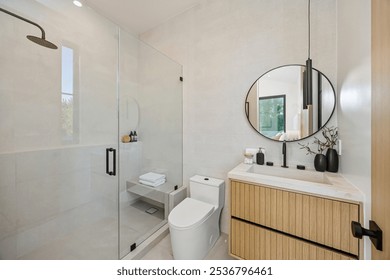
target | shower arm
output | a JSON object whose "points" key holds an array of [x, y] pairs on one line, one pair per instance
{"points": [[26, 20]]}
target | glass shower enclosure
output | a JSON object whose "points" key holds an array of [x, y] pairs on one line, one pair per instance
{"points": [[150, 104], [69, 180]]}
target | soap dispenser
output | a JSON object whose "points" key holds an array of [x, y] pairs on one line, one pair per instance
{"points": [[260, 157]]}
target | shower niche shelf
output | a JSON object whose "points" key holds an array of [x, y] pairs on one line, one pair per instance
{"points": [[159, 194]]}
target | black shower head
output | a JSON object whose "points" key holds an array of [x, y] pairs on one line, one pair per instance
{"points": [[41, 41]]}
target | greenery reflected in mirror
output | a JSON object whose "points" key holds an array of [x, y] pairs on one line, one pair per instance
{"points": [[276, 107], [272, 111]]}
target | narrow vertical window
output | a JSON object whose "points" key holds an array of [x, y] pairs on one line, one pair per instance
{"points": [[68, 102], [67, 71]]}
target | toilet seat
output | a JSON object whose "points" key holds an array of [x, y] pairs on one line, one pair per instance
{"points": [[189, 213]]}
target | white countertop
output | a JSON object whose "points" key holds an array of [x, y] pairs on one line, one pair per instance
{"points": [[331, 185]]}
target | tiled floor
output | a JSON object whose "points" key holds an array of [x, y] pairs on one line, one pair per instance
{"points": [[163, 250]]}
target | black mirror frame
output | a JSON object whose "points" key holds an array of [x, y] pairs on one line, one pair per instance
{"points": [[246, 104]]}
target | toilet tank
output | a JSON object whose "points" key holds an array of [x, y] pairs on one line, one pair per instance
{"points": [[208, 190]]}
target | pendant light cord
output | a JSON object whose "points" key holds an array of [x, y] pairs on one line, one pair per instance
{"points": [[308, 17]]}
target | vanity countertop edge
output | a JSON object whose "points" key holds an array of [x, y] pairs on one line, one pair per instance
{"points": [[339, 188]]}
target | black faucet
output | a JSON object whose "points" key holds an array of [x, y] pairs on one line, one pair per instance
{"points": [[284, 152]]}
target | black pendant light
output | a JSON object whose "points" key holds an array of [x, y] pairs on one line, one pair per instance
{"points": [[309, 69]]}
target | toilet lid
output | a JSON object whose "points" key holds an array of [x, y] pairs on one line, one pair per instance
{"points": [[189, 213]]}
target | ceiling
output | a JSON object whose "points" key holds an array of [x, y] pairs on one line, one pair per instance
{"points": [[138, 16]]}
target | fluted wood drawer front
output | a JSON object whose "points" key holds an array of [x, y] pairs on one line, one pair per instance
{"points": [[251, 242], [317, 219]]}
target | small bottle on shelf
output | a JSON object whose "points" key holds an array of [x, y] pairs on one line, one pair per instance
{"points": [[135, 136], [131, 136]]}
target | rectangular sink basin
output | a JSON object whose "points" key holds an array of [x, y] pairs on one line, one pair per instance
{"points": [[290, 173]]}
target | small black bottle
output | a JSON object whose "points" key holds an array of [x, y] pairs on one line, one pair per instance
{"points": [[131, 136], [260, 157], [135, 136]]}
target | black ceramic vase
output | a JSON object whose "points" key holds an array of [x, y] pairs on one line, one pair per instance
{"points": [[320, 162], [332, 160]]}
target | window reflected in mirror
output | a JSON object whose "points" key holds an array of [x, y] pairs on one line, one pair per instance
{"points": [[272, 111], [275, 104]]}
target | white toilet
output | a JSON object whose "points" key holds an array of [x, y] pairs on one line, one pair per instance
{"points": [[194, 222]]}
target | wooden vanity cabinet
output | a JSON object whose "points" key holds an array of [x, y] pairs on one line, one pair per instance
{"points": [[270, 223]]}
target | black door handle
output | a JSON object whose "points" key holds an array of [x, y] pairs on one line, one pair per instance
{"points": [[113, 172], [375, 233]]}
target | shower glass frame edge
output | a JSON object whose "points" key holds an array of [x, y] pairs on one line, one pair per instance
{"points": [[118, 141]]}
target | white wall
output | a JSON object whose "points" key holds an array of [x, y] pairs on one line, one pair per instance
{"points": [[224, 46], [354, 87], [31, 75]]}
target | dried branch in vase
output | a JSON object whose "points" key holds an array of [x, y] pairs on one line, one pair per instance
{"points": [[330, 135]]}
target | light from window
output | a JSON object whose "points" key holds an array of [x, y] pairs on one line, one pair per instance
{"points": [[67, 98], [67, 70]]}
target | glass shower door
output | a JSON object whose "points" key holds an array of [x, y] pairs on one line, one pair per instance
{"points": [[150, 104], [58, 134], [69, 186]]}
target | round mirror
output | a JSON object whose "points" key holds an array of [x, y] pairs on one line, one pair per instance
{"points": [[279, 107]]}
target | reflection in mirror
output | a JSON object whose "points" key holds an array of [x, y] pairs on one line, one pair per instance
{"points": [[276, 104], [272, 111]]}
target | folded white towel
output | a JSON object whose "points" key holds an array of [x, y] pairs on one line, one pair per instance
{"points": [[152, 177], [154, 184]]}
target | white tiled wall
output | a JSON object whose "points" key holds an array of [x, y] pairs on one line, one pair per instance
{"points": [[30, 75], [224, 46]]}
